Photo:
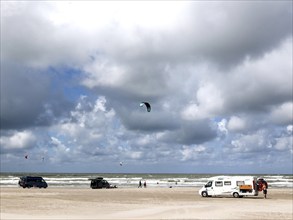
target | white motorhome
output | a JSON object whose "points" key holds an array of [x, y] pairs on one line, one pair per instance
{"points": [[236, 186]]}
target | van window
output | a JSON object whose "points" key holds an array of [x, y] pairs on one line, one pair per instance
{"points": [[219, 183], [227, 183], [239, 183]]}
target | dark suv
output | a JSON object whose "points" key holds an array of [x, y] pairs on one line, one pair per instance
{"points": [[99, 183], [32, 181]]}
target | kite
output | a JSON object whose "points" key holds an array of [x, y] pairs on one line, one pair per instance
{"points": [[148, 106]]}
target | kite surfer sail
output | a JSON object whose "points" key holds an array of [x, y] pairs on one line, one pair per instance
{"points": [[148, 106]]}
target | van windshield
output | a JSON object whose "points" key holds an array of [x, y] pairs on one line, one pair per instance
{"points": [[209, 184]]}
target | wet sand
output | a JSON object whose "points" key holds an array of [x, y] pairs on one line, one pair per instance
{"points": [[145, 203]]}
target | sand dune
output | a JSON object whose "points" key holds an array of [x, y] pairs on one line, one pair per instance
{"points": [[133, 203]]}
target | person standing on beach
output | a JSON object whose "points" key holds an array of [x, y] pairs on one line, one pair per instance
{"points": [[139, 184], [144, 184], [265, 191]]}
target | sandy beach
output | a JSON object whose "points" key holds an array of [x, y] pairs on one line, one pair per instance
{"points": [[134, 203]]}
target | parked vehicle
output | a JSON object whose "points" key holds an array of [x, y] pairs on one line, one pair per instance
{"points": [[236, 186], [99, 183], [32, 181]]}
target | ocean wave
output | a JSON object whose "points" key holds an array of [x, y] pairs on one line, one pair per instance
{"points": [[132, 180]]}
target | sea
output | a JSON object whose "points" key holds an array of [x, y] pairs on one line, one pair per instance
{"points": [[131, 180]]}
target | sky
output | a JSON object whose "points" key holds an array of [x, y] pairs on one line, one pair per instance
{"points": [[218, 76]]}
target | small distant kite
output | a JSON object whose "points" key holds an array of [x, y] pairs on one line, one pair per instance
{"points": [[121, 163], [148, 106], [26, 156]]}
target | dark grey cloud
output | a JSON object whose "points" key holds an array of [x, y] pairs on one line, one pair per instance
{"points": [[152, 122], [220, 33], [22, 99], [259, 84], [27, 99], [228, 32], [191, 132]]}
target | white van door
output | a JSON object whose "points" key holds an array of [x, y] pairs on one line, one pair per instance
{"points": [[209, 188], [218, 188]]}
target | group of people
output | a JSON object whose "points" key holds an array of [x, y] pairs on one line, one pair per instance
{"points": [[140, 184]]}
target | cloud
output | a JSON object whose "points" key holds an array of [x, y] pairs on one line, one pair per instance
{"points": [[27, 99], [258, 84], [150, 122], [192, 153], [283, 114], [283, 143], [21, 97], [236, 124], [214, 31], [250, 143], [209, 104], [190, 132], [17, 140], [232, 31], [40, 43]]}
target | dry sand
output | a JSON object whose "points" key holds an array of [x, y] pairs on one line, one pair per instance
{"points": [[133, 203]]}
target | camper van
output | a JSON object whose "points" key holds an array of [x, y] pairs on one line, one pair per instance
{"points": [[236, 186]]}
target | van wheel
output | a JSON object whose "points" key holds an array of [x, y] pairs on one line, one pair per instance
{"points": [[204, 194], [236, 195]]}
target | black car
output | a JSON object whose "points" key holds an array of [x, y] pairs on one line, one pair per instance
{"points": [[32, 181], [99, 183]]}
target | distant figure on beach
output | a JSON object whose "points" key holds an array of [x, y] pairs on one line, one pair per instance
{"points": [[265, 191], [144, 184], [139, 184]]}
